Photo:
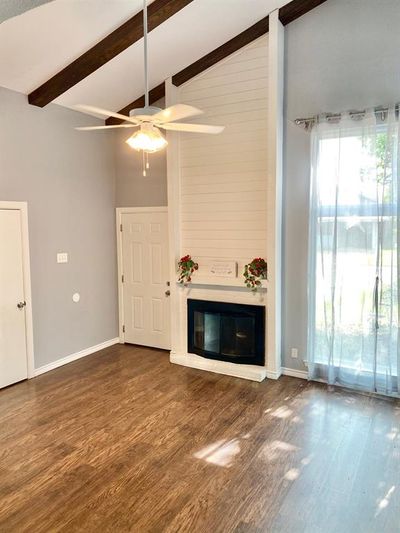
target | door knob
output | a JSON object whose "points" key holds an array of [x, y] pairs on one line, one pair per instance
{"points": [[167, 293], [21, 305]]}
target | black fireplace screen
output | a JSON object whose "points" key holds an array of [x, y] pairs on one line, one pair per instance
{"points": [[227, 332]]}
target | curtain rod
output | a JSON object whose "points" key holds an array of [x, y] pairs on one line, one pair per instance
{"points": [[308, 123]]}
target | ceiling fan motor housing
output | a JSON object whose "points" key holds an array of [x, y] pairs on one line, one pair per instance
{"points": [[144, 111]]}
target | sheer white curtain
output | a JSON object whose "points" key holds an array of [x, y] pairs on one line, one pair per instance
{"points": [[353, 336]]}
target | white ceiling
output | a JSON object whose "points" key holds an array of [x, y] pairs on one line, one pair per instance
{"points": [[40, 42]]}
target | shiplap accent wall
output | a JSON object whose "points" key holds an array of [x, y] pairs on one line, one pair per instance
{"points": [[224, 177]]}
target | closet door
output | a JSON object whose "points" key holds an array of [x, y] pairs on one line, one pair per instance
{"points": [[145, 274], [13, 346]]}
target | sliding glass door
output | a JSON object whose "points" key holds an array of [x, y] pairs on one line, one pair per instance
{"points": [[353, 243]]}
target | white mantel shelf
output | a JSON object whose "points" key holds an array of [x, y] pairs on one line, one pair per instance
{"points": [[221, 282]]}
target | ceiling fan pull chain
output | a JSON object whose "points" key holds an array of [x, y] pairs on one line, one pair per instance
{"points": [[144, 162]]}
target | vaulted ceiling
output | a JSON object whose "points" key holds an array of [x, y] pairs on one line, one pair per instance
{"points": [[39, 43]]}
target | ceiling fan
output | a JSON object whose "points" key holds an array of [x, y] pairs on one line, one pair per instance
{"points": [[150, 119]]}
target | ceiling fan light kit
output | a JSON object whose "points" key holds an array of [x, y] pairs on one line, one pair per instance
{"points": [[148, 139]]}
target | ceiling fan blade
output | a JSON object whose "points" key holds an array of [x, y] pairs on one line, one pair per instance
{"points": [[177, 112], [90, 128], [193, 128], [105, 113]]}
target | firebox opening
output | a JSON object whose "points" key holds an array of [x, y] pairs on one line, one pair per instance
{"points": [[226, 331]]}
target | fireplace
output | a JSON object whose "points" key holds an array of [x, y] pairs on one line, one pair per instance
{"points": [[226, 331]]}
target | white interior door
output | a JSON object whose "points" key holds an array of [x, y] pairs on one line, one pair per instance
{"points": [[145, 290], [13, 345]]}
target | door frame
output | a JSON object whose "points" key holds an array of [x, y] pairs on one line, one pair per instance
{"points": [[119, 211], [22, 207]]}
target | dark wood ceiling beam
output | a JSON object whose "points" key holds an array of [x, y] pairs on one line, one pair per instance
{"points": [[295, 9], [108, 48], [154, 95]]}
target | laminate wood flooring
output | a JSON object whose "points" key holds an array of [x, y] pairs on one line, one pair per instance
{"points": [[124, 441]]}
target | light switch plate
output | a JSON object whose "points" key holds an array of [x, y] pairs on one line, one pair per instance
{"points": [[62, 257]]}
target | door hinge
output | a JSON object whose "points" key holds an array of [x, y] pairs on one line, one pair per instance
{"points": [[120, 227], [123, 329], [122, 278]]}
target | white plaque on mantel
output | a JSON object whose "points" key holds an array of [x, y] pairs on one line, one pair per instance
{"points": [[224, 269]]}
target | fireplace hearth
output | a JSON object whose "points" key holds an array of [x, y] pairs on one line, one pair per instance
{"points": [[226, 331]]}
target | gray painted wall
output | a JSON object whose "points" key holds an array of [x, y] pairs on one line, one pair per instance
{"points": [[12, 8], [67, 178], [132, 188], [342, 55]]}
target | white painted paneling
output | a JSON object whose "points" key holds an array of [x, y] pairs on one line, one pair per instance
{"points": [[228, 187], [214, 216], [227, 178], [224, 177], [225, 168], [231, 98], [245, 85], [234, 208]]}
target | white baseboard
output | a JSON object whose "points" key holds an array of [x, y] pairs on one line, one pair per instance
{"points": [[302, 374], [252, 372], [274, 375], [74, 356]]}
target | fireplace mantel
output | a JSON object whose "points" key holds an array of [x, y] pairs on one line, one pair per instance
{"points": [[221, 282]]}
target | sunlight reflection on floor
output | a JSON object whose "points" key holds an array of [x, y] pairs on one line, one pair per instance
{"points": [[282, 412], [221, 453], [292, 474]]}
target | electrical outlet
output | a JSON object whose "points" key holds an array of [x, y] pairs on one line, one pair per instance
{"points": [[294, 353], [62, 257]]}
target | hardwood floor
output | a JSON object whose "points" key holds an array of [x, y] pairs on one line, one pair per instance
{"points": [[124, 441]]}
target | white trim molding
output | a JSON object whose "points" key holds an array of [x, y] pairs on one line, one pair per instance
{"points": [[155, 209], [74, 356], [274, 191], [251, 372], [174, 222], [302, 374], [274, 375], [22, 207]]}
